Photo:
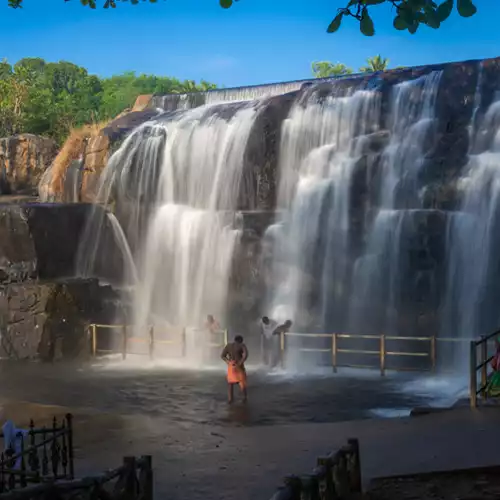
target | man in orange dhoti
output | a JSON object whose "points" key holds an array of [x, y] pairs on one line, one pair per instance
{"points": [[234, 355]]}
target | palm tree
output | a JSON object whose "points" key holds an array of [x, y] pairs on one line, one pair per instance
{"points": [[325, 69], [377, 63]]}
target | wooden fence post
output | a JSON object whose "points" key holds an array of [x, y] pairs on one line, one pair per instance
{"points": [[433, 353], [484, 366], [146, 478], [130, 484], [382, 355], [334, 352], [326, 462], [124, 348], [356, 482], [151, 342], [473, 377]]}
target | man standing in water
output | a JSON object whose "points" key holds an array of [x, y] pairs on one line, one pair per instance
{"points": [[234, 355], [211, 324], [266, 339]]}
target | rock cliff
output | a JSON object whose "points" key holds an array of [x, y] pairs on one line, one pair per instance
{"points": [[23, 161]]}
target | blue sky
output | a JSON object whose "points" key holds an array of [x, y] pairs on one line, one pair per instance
{"points": [[256, 41]]}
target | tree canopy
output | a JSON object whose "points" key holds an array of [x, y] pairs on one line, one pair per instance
{"points": [[407, 14], [49, 99], [325, 69]]}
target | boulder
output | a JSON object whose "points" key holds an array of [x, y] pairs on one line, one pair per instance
{"points": [[23, 160], [41, 241]]}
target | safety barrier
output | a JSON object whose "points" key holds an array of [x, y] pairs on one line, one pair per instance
{"points": [[383, 351], [37, 455], [152, 339], [382, 348], [481, 367], [336, 477]]}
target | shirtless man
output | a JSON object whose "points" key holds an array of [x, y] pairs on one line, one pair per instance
{"points": [[234, 355], [211, 324]]}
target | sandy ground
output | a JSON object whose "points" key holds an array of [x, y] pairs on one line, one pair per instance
{"points": [[210, 462]]}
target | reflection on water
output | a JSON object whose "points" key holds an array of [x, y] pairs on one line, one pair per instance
{"points": [[198, 397]]}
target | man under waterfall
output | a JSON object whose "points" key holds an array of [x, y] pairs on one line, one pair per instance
{"points": [[270, 339], [266, 340], [234, 355]]}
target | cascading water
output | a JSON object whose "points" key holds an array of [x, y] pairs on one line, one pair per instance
{"points": [[379, 277], [174, 185], [471, 306], [318, 158]]}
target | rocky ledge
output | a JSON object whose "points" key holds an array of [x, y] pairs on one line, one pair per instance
{"points": [[23, 160]]}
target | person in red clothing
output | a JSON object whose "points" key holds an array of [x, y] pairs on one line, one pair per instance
{"points": [[234, 355]]}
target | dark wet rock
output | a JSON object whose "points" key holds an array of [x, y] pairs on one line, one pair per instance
{"points": [[40, 241], [49, 320], [123, 125]]}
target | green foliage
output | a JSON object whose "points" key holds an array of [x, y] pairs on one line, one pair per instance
{"points": [[408, 14], [50, 98], [376, 63], [325, 69]]}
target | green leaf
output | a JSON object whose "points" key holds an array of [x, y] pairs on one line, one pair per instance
{"points": [[225, 4], [444, 10], [466, 8], [432, 20], [366, 24], [399, 23], [416, 5], [335, 24], [413, 27]]}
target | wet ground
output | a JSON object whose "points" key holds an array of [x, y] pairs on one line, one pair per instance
{"points": [[203, 449], [137, 387]]}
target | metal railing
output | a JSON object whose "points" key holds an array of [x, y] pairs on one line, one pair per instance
{"points": [[338, 345], [43, 455], [381, 350], [481, 367], [152, 339]]}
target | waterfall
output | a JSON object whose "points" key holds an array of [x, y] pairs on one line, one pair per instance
{"points": [[319, 155], [380, 278], [174, 185], [471, 308]]}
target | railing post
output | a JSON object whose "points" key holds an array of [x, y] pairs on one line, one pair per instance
{"points": [[334, 352], [130, 486], [484, 366], [151, 342], [225, 337], [382, 355], [473, 377], [146, 478], [94, 340], [124, 348], [183, 343], [433, 353], [356, 482], [69, 427], [282, 349]]}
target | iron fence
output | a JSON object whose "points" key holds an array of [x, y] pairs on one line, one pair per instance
{"points": [[41, 455]]}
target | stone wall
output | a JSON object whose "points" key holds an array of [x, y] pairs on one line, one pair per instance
{"points": [[48, 321], [23, 160]]}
